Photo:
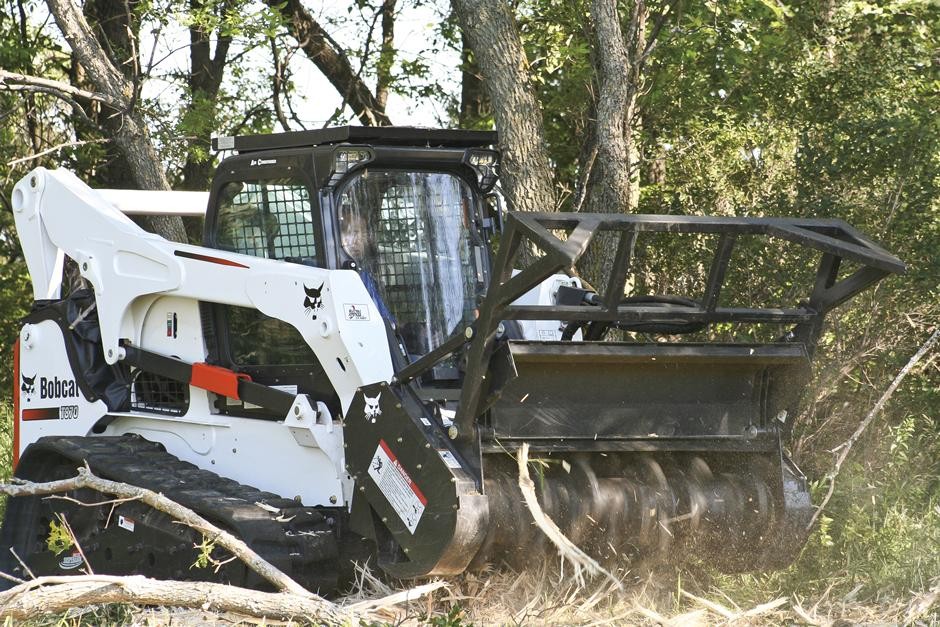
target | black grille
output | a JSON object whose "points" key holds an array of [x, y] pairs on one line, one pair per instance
{"points": [[159, 395]]}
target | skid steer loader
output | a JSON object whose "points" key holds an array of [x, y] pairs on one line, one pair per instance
{"points": [[343, 370]]}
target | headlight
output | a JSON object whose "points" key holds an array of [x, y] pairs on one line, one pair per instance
{"points": [[346, 158], [486, 164]]}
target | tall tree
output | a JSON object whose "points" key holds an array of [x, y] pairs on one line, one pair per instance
{"points": [[383, 70], [133, 136], [474, 110], [332, 61], [614, 181], [116, 26], [206, 71], [490, 28]]}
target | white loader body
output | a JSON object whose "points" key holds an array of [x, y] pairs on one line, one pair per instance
{"points": [[144, 285]]}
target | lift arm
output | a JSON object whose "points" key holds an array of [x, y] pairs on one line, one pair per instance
{"points": [[57, 215]]}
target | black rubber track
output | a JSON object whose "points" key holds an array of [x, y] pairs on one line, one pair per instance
{"points": [[301, 541]]}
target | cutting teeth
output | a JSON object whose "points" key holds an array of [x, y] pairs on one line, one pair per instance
{"points": [[637, 505]]}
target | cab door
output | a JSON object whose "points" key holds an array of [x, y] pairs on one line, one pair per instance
{"points": [[264, 208]]}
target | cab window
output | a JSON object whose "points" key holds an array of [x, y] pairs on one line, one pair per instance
{"points": [[258, 340], [266, 218], [270, 218]]}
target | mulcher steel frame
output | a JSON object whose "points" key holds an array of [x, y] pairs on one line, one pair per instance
{"points": [[834, 239]]}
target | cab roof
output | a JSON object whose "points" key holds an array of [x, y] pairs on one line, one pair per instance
{"points": [[368, 135]]}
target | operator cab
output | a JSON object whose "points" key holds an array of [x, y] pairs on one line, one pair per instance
{"points": [[404, 207]]}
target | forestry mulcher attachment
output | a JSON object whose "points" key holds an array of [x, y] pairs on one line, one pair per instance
{"points": [[343, 370]]}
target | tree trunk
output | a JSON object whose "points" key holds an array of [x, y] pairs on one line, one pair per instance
{"points": [[614, 182], [204, 81], [489, 26], [131, 136], [386, 54], [611, 190], [328, 56], [32, 126], [114, 27], [475, 110]]}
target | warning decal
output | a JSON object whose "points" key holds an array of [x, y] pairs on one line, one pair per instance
{"points": [[394, 482]]}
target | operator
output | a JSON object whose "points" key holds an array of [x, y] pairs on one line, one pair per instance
{"points": [[358, 244]]}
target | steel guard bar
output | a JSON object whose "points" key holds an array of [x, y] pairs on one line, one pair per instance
{"points": [[834, 239]]}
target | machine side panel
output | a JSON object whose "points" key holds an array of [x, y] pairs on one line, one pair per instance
{"points": [[51, 401], [254, 452], [57, 213]]}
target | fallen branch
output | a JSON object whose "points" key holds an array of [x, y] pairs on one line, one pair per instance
{"points": [[730, 615], [403, 596], [717, 608], [566, 548], [847, 446], [763, 608], [922, 603], [46, 595], [86, 479]]}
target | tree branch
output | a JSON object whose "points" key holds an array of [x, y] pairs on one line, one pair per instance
{"points": [[331, 61], [56, 148], [46, 595], [86, 479], [89, 51], [57, 88], [847, 446], [276, 80]]}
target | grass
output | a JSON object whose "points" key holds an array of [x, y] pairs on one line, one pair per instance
{"points": [[6, 447]]}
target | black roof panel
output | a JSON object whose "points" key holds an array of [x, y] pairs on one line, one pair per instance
{"points": [[372, 135]]}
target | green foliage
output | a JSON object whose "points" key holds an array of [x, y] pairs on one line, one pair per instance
{"points": [[59, 539], [880, 534], [6, 447], [748, 107], [765, 108], [204, 559], [454, 618]]}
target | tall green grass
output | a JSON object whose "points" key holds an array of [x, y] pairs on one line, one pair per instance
{"points": [[6, 447], [879, 538]]}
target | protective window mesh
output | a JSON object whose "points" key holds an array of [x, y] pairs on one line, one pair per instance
{"points": [[271, 219], [409, 232]]}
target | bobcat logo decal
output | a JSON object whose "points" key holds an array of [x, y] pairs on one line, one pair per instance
{"points": [[313, 301], [28, 385], [372, 407]]}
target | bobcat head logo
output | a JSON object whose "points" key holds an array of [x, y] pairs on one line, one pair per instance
{"points": [[372, 407], [313, 301], [28, 385]]}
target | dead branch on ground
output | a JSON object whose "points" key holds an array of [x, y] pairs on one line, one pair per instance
{"points": [[45, 595], [48, 595], [847, 446], [86, 479], [566, 548]]}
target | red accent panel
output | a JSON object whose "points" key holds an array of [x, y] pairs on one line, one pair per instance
{"points": [[218, 260], [16, 402], [217, 379], [42, 413]]}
